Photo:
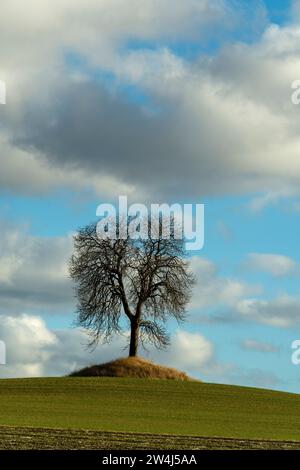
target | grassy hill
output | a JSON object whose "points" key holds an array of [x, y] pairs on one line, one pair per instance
{"points": [[150, 406]]}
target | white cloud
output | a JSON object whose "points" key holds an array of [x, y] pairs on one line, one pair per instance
{"points": [[33, 349], [258, 346], [188, 351], [270, 198], [96, 30], [47, 121], [32, 64], [28, 341], [283, 312], [212, 289], [274, 264], [23, 171], [34, 271]]}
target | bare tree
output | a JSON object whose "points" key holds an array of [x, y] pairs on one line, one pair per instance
{"points": [[145, 280]]}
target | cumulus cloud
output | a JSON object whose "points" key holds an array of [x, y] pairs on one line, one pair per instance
{"points": [[212, 289], [25, 172], [258, 346], [85, 134], [282, 312], [27, 341], [274, 264], [33, 271], [188, 351], [35, 350], [109, 21], [32, 64]]}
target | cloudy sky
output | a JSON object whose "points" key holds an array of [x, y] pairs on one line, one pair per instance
{"points": [[163, 101]]}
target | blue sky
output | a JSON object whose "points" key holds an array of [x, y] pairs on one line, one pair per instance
{"points": [[183, 104]]}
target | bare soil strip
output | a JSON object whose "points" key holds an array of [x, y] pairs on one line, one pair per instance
{"points": [[22, 438]]}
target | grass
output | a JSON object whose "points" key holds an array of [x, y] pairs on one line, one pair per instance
{"points": [[150, 406], [132, 367]]}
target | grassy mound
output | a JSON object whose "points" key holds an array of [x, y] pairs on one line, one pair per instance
{"points": [[134, 367]]}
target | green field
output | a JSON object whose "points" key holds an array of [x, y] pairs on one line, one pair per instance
{"points": [[150, 406]]}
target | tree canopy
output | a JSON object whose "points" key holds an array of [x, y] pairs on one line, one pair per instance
{"points": [[145, 280]]}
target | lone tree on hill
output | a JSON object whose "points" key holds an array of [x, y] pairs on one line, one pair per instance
{"points": [[145, 280]]}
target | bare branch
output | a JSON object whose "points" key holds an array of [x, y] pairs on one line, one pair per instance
{"points": [[147, 280]]}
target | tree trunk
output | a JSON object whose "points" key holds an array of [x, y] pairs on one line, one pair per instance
{"points": [[134, 338]]}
